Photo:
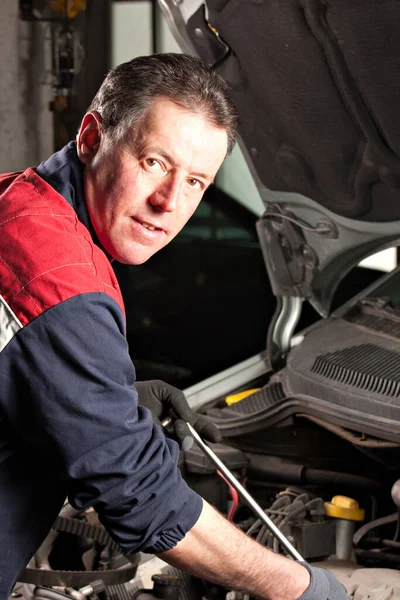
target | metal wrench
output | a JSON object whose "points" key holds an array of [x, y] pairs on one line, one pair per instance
{"points": [[256, 508]]}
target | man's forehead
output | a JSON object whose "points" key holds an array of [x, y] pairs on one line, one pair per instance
{"points": [[164, 111], [161, 104], [182, 136]]}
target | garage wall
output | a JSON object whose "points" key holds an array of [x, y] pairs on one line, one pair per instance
{"points": [[132, 32], [25, 121]]}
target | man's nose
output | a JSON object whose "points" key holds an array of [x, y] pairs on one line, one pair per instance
{"points": [[167, 194]]}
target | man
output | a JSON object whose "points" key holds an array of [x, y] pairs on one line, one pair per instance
{"points": [[151, 142]]}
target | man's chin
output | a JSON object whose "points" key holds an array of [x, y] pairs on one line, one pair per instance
{"points": [[135, 257]]}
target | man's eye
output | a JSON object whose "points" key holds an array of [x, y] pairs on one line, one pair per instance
{"points": [[194, 183], [152, 163]]}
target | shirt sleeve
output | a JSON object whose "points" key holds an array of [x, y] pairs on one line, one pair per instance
{"points": [[71, 380]]}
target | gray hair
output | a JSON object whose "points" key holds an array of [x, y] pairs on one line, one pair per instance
{"points": [[128, 91]]}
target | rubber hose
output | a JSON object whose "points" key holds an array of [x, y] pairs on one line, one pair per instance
{"points": [[48, 594], [392, 559], [373, 525], [259, 465]]}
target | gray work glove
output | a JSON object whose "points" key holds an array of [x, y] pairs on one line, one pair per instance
{"points": [[164, 400], [323, 585]]}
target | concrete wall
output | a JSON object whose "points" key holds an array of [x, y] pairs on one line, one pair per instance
{"points": [[25, 90]]}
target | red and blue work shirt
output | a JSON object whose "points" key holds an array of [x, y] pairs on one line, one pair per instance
{"points": [[70, 425]]}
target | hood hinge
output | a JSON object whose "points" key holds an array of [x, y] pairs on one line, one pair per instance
{"points": [[291, 262]]}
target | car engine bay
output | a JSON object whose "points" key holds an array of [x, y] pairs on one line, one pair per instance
{"points": [[323, 468]]}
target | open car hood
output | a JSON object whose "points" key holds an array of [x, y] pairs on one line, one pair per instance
{"points": [[316, 86]]}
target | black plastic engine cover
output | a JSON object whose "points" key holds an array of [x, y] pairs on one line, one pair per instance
{"points": [[343, 373], [349, 375]]}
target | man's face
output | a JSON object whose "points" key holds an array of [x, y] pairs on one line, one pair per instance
{"points": [[141, 192]]}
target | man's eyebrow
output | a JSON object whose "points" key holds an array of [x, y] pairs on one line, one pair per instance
{"points": [[161, 152]]}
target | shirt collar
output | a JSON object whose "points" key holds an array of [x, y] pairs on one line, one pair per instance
{"points": [[64, 172]]}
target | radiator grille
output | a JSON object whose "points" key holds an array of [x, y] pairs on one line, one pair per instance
{"points": [[367, 367], [121, 592]]}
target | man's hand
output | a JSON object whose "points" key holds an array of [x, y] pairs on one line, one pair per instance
{"points": [[164, 400], [323, 585]]}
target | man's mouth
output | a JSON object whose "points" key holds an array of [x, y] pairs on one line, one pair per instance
{"points": [[148, 225]]}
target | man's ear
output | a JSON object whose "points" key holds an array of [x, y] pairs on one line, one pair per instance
{"points": [[89, 135]]}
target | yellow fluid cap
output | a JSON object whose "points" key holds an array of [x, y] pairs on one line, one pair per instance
{"points": [[238, 397], [342, 507]]}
